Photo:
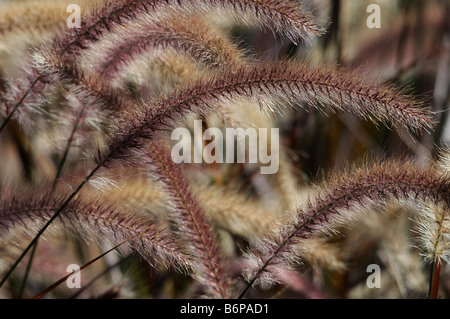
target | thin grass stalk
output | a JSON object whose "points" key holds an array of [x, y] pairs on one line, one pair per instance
{"points": [[336, 204], [434, 279], [27, 271], [59, 282], [47, 224]]}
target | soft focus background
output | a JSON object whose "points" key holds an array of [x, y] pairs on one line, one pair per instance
{"points": [[410, 50]]}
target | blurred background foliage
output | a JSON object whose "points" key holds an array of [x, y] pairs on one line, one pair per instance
{"points": [[411, 49]]}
